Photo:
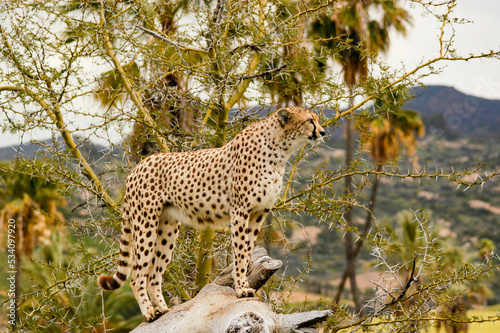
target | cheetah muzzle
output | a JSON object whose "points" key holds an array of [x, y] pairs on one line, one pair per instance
{"points": [[236, 184]]}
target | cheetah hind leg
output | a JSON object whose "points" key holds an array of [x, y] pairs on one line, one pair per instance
{"points": [[168, 230], [137, 284], [142, 267]]}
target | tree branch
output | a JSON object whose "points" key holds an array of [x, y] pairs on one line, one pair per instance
{"points": [[455, 177], [246, 77], [260, 269], [143, 113], [404, 77], [177, 45], [56, 116]]}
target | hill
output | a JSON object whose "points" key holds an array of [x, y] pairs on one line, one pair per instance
{"points": [[92, 151], [27, 150], [446, 112], [451, 114]]}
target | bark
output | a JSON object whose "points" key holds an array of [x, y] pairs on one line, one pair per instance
{"points": [[204, 261], [261, 268], [359, 244], [350, 270], [217, 309]]}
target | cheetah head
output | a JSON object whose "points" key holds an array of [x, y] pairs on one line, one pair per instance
{"points": [[300, 125]]}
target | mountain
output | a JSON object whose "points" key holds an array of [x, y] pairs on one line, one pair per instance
{"points": [[449, 112], [27, 150], [91, 151]]}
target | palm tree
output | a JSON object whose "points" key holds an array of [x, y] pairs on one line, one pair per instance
{"points": [[32, 203], [355, 37], [35, 202], [383, 138]]}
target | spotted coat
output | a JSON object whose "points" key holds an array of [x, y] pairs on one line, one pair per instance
{"points": [[237, 184]]}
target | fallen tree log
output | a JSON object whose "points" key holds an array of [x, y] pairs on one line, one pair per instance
{"points": [[217, 309]]}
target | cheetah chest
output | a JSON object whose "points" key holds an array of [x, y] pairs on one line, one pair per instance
{"points": [[271, 184]]}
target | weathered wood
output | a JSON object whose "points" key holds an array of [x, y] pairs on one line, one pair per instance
{"points": [[261, 268], [217, 309], [302, 321]]}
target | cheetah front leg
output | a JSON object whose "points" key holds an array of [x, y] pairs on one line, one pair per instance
{"points": [[242, 250], [254, 225]]}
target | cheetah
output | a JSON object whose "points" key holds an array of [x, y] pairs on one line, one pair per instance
{"points": [[236, 184]]}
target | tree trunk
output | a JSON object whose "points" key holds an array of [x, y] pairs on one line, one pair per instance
{"points": [[350, 271], [341, 286], [369, 214], [359, 243], [216, 308], [204, 260]]}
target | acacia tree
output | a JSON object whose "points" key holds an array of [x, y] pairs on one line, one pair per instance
{"points": [[48, 86]]}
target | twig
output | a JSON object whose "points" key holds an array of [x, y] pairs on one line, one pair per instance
{"points": [[160, 36], [411, 279], [246, 77]]}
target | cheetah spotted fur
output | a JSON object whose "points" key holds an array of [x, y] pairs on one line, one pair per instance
{"points": [[237, 184]]}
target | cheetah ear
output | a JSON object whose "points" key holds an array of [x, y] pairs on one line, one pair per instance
{"points": [[283, 116]]}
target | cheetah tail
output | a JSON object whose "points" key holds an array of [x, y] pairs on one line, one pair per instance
{"points": [[115, 281]]}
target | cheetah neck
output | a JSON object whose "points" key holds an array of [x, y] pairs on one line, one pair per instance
{"points": [[278, 148]]}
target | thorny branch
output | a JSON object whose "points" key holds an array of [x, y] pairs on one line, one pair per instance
{"points": [[253, 76], [454, 176], [402, 293], [384, 318], [405, 76], [444, 55], [126, 82], [56, 116], [164, 38], [78, 274]]}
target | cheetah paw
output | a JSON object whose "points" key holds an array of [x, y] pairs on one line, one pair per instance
{"points": [[245, 292], [152, 317]]}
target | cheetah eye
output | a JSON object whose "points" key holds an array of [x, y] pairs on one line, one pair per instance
{"points": [[311, 121]]}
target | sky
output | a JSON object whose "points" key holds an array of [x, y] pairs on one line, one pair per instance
{"points": [[476, 77]]}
